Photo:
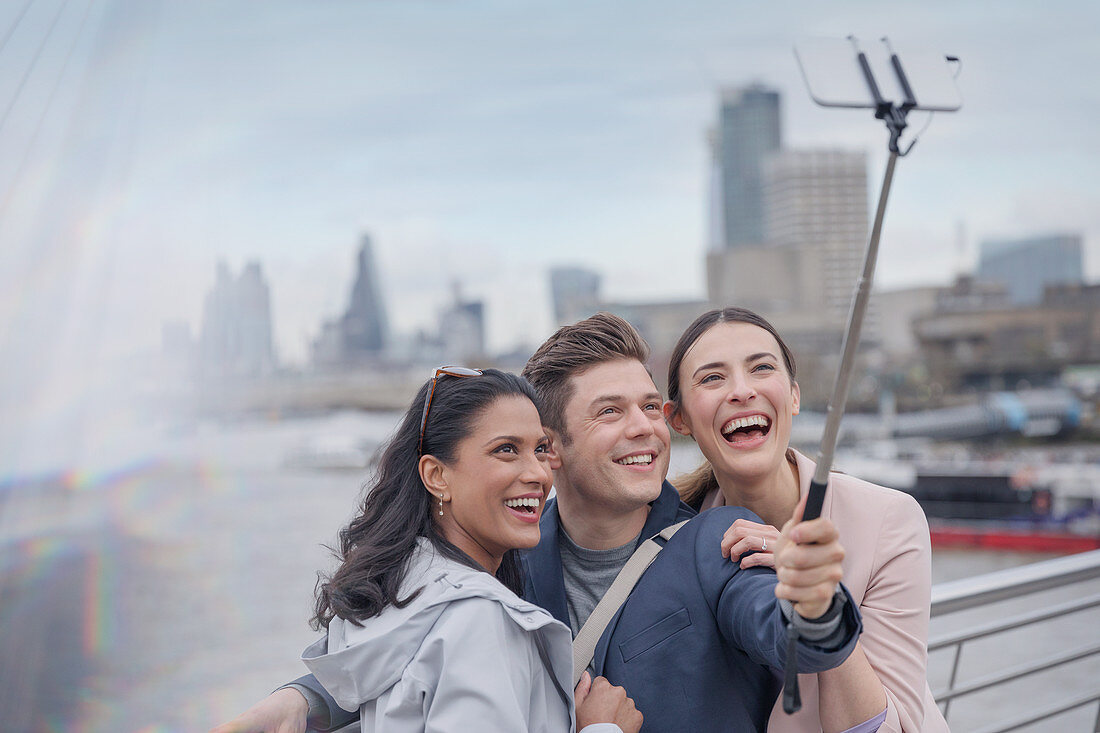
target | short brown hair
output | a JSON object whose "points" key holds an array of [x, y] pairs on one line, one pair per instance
{"points": [[574, 349]]}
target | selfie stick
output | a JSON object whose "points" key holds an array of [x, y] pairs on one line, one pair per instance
{"points": [[894, 117]]}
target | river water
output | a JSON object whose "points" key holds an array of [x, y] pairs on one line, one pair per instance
{"points": [[169, 590]]}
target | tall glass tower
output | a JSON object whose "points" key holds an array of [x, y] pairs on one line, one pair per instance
{"points": [[748, 131], [364, 325]]}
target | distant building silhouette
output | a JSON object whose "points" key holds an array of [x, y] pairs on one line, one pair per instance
{"points": [[576, 293], [748, 131], [236, 325], [362, 332], [1026, 266], [1000, 345], [462, 330], [897, 310], [816, 201], [789, 235], [364, 323], [968, 294], [660, 323], [803, 274], [794, 222]]}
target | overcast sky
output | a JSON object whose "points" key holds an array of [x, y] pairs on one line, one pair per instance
{"points": [[483, 141]]}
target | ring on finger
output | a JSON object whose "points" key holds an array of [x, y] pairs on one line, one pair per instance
{"points": [[763, 544]]}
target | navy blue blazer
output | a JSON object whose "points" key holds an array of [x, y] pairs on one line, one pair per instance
{"points": [[699, 643], [544, 581]]}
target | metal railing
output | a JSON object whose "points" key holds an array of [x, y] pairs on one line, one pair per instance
{"points": [[1015, 583], [980, 591]]}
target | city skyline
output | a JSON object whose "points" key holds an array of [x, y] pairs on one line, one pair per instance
{"points": [[481, 142]]}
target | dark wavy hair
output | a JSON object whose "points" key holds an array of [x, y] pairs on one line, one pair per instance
{"points": [[694, 486], [375, 548]]}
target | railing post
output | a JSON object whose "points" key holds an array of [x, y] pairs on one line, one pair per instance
{"points": [[1002, 585], [954, 675]]}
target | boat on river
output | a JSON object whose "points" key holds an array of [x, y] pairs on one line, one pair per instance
{"points": [[1042, 500]]}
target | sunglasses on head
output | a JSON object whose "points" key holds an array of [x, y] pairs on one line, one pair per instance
{"points": [[443, 371]]}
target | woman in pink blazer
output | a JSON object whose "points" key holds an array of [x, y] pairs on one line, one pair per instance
{"points": [[732, 388]]}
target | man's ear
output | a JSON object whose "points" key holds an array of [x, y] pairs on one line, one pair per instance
{"points": [[433, 473], [675, 419], [796, 398], [555, 443]]}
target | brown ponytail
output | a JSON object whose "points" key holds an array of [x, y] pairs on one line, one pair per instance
{"points": [[696, 484]]}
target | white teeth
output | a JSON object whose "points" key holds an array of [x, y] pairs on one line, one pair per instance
{"points": [[645, 458], [745, 422], [525, 501]]}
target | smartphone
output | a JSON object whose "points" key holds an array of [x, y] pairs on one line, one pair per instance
{"points": [[835, 77]]}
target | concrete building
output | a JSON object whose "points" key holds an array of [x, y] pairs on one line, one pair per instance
{"points": [[803, 276], [816, 201], [897, 311], [966, 295], [763, 278], [1003, 347], [1026, 266]]}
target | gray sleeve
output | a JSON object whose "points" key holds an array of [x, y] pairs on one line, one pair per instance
{"points": [[324, 714], [825, 631], [318, 710]]}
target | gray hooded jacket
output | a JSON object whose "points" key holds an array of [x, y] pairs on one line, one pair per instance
{"points": [[462, 656]]}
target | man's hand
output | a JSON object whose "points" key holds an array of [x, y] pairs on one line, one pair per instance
{"points": [[598, 701], [807, 563], [283, 711], [745, 536]]}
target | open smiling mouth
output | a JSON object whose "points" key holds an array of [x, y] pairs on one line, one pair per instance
{"points": [[641, 460], [529, 504], [744, 429]]}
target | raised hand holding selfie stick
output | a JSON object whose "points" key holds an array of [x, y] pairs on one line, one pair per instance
{"points": [[893, 113]]}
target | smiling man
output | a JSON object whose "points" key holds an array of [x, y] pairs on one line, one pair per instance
{"points": [[700, 642]]}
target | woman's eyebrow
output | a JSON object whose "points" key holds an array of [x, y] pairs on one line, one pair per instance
{"points": [[709, 365], [503, 438]]}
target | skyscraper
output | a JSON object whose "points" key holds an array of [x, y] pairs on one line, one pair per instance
{"points": [[257, 354], [815, 231], [364, 325], [816, 201], [236, 325], [361, 333], [748, 131], [788, 230]]}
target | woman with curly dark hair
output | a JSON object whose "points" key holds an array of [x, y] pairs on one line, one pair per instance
{"points": [[425, 630]]}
